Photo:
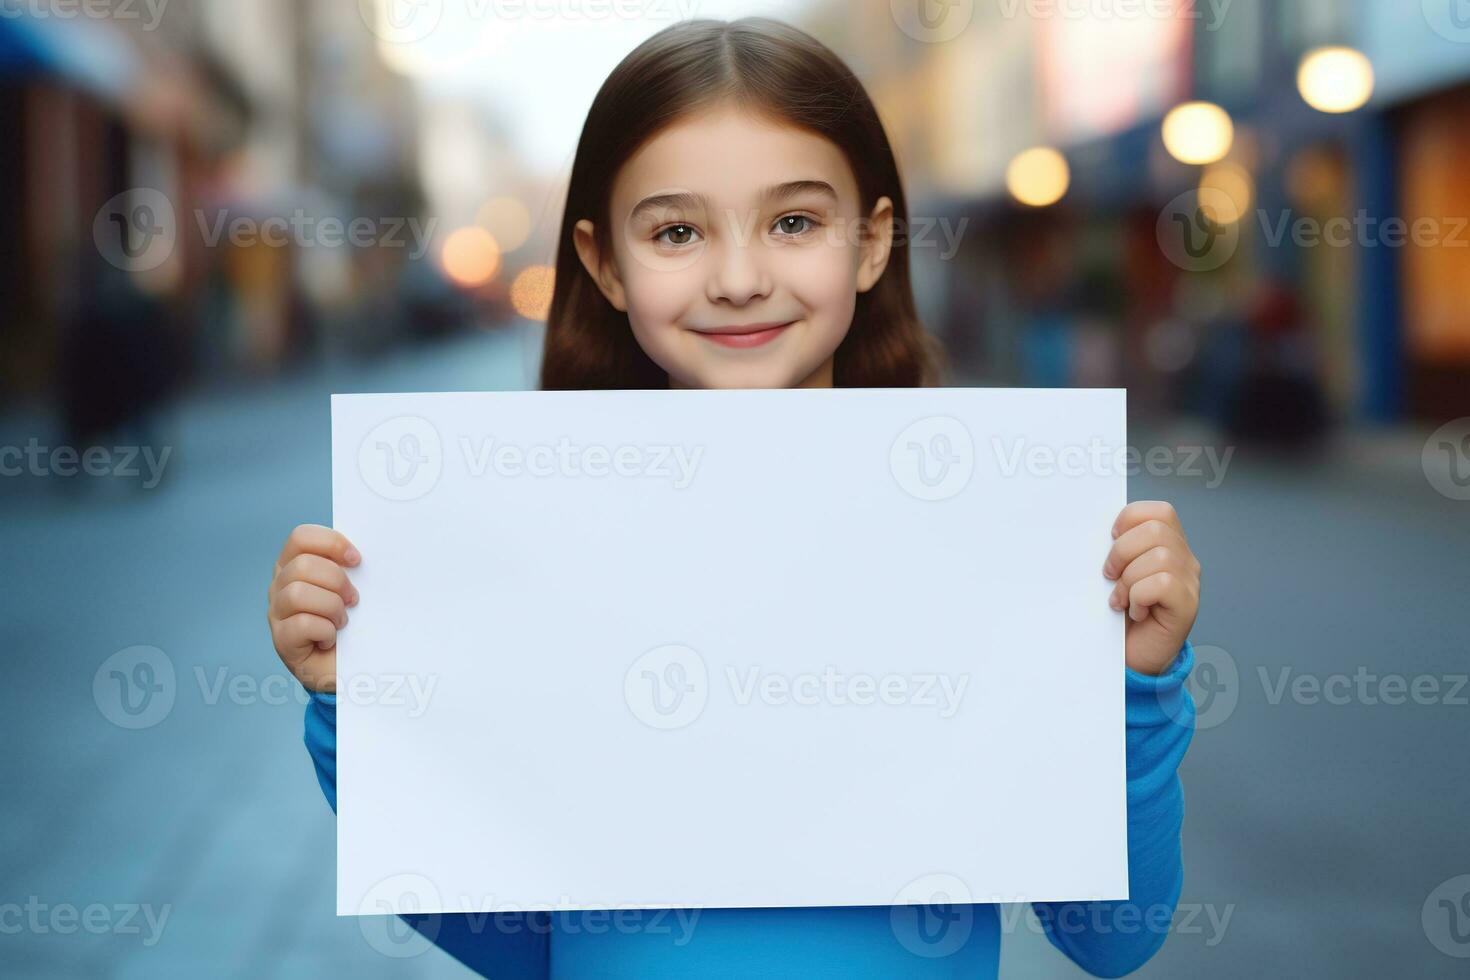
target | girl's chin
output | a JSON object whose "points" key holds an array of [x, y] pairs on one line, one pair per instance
{"points": [[776, 374]]}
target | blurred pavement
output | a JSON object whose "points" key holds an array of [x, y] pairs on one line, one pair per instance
{"points": [[1319, 829]]}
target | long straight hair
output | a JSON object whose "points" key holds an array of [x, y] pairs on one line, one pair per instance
{"points": [[764, 65]]}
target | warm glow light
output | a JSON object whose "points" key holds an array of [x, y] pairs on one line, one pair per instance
{"points": [[1335, 79], [507, 219], [471, 256], [530, 293], [1038, 177], [1234, 192], [1198, 132]]}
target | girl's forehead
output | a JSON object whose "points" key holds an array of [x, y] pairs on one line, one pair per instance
{"points": [[731, 156]]}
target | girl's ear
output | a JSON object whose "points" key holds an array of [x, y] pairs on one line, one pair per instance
{"points": [[598, 266], [877, 246]]}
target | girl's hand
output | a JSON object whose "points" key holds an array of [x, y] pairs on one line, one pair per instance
{"points": [[307, 603], [1158, 583]]}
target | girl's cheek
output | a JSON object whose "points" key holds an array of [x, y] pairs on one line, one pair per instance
{"points": [[824, 280]]}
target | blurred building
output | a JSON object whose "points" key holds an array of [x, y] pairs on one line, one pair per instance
{"points": [[134, 146], [1284, 332]]}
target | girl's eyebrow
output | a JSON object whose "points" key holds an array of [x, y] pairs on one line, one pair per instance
{"points": [[795, 188], [687, 201]]}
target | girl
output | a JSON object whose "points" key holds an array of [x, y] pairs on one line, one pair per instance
{"points": [[734, 220]]}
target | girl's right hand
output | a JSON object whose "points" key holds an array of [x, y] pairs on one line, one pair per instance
{"points": [[307, 603]]}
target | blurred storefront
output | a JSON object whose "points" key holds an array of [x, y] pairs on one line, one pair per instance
{"points": [[129, 142], [1293, 327]]}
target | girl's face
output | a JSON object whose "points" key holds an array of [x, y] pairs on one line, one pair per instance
{"points": [[738, 250]]}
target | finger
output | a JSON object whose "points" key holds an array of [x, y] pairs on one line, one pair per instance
{"points": [[1140, 511], [303, 597], [314, 539], [303, 634], [1152, 561], [319, 571], [1144, 537], [1159, 589]]}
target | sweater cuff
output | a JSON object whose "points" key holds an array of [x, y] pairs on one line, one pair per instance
{"points": [[1150, 701]]}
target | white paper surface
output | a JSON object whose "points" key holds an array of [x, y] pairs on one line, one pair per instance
{"points": [[729, 649]]}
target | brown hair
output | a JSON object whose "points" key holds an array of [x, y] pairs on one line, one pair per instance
{"points": [[769, 66]]}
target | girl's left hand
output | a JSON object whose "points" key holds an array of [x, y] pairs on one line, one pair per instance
{"points": [[1158, 583]]}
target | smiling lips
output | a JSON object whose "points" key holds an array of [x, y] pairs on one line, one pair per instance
{"points": [[746, 334]]}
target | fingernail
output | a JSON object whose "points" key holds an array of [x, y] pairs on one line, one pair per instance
{"points": [[1107, 570], [352, 600], [1114, 601], [351, 556]]}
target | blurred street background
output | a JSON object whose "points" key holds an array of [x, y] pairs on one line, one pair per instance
{"points": [[1254, 214]]}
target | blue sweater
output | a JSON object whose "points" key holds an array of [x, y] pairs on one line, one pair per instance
{"points": [[1108, 939]]}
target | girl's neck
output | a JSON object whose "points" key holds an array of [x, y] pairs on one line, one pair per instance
{"points": [[822, 377]]}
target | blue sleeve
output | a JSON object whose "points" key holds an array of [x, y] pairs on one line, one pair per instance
{"points": [[1111, 939], [505, 945]]}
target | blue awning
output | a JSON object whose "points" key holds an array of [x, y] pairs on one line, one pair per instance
{"points": [[90, 55]]}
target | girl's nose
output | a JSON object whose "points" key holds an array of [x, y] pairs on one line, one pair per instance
{"points": [[739, 275]]}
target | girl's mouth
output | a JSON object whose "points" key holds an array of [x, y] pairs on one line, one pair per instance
{"points": [[746, 334]]}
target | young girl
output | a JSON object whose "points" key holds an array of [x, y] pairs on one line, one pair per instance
{"points": [[734, 221]]}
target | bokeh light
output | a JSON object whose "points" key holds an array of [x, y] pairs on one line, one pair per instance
{"points": [[1335, 79], [1198, 133], [507, 219], [1236, 192], [471, 256], [1038, 177], [530, 292]]}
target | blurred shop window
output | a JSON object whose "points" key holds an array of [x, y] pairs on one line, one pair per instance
{"points": [[1436, 258]]}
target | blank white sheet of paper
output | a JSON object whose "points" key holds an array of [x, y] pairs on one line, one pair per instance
{"points": [[702, 649]]}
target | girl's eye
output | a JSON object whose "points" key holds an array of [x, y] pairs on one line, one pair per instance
{"points": [[792, 225], [677, 235]]}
